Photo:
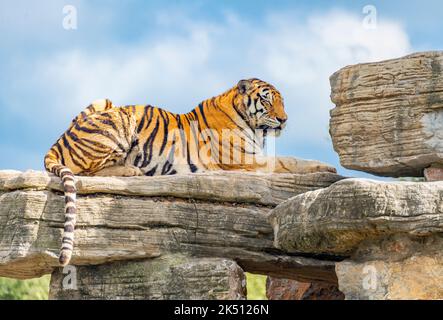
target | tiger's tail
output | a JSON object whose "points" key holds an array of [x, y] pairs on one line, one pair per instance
{"points": [[53, 165]]}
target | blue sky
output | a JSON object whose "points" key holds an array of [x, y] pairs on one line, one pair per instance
{"points": [[179, 53]]}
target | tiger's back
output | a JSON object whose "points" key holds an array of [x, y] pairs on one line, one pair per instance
{"points": [[140, 136]]}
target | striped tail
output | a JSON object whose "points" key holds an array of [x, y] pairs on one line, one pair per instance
{"points": [[52, 164]]}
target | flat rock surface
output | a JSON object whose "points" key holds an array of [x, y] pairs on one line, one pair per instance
{"points": [[221, 215], [388, 118], [243, 187], [337, 219]]}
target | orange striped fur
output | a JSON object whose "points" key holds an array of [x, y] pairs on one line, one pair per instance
{"points": [[145, 140]]}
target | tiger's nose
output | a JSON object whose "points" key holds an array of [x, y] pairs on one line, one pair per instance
{"points": [[282, 120]]}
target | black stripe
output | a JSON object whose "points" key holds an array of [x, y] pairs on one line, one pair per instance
{"points": [[79, 144], [133, 145], [82, 146], [67, 240], [69, 220], [56, 169], [182, 133], [196, 117], [104, 148], [69, 189], [179, 121], [201, 108], [103, 133], [68, 178], [149, 144], [142, 121], [197, 131], [69, 228], [124, 125], [86, 152], [240, 114], [68, 199], [152, 171], [109, 122], [167, 166], [148, 114], [169, 162], [240, 127], [255, 103], [70, 210], [105, 115], [192, 166], [137, 160], [59, 149], [72, 135], [248, 104], [91, 123], [73, 152], [68, 146], [165, 130], [67, 173]]}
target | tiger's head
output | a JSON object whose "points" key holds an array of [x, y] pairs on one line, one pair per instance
{"points": [[262, 105]]}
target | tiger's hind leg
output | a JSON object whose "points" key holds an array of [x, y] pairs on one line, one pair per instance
{"points": [[119, 171], [96, 106]]}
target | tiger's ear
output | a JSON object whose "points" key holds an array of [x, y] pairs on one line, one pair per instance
{"points": [[244, 86]]}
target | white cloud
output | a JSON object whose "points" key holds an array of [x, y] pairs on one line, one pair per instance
{"points": [[202, 59], [301, 57], [165, 72]]}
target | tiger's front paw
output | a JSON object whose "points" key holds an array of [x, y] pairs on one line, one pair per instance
{"points": [[133, 171], [119, 171]]}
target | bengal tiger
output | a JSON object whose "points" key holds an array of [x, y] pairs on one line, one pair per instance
{"points": [[135, 140]]}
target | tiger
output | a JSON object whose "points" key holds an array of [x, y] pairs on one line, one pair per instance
{"points": [[143, 140]]}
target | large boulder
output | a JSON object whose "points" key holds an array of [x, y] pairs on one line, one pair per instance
{"points": [[389, 235], [397, 267], [337, 219], [168, 277], [388, 118], [214, 215]]}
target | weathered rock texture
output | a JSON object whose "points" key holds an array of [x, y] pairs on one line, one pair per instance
{"points": [[388, 118], [391, 235], [394, 268], [220, 215], [168, 277], [287, 289], [434, 174], [337, 219]]}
